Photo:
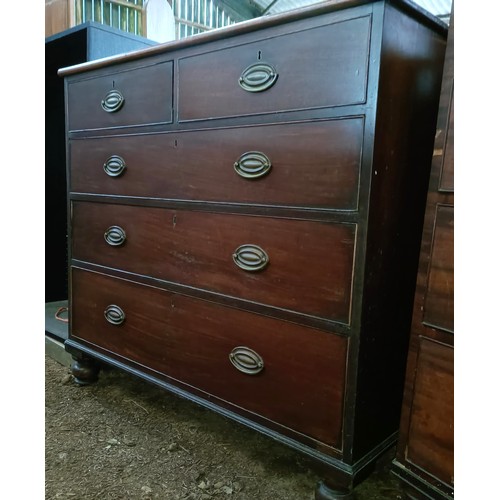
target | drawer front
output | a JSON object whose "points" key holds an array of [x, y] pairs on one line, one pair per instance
{"points": [[439, 304], [446, 183], [318, 67], [430, 434], [296, 265], [125, 98], [302, 164], [288, 374]]}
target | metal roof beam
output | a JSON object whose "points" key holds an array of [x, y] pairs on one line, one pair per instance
{"points": [[240, 10], [268, 8]]}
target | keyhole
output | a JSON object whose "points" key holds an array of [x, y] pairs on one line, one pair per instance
{"points": [[260, 55], [113, 84]]}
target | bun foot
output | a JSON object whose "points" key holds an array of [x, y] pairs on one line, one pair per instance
{"points": [[85, 371], [324, 492]]}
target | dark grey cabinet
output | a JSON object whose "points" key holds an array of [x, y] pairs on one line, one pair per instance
{"points": [[86, 42]]}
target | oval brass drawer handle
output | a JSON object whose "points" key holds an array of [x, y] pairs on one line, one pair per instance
{"points": [[114, 166], [114, 315], [115, 236], [258, 77], [246, 360], [250, 258], [113, 101], [252, 165]]}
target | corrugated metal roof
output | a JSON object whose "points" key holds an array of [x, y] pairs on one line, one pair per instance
{"points": [[277, 6], [439, 8]]}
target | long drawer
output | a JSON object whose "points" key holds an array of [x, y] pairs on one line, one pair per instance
{"points": [[312, 164], [122, 98], [303, 266], [272, 368], [323, 66]]}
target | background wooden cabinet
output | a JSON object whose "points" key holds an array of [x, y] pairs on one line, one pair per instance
{"points": [[425, 450]]}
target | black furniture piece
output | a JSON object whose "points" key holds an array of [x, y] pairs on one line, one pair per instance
{"points": [[85, 42]]}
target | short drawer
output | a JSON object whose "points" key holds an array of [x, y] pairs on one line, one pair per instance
{"points": [[125, 98], [281, 371], [303, 266], [313, 68], [310, 164]]}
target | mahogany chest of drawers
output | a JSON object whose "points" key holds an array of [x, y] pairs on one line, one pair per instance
{"points": [[245, 217]]}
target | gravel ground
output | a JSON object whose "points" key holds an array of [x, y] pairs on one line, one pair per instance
{"points": [[125, 439]]}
